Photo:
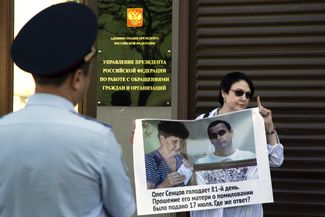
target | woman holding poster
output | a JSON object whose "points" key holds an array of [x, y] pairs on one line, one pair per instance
{"points": [[236, 90]]}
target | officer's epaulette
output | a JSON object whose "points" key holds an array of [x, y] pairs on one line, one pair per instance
{"points": [[93, 119]]}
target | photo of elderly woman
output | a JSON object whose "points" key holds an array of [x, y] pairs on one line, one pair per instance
{"points": [[165, 165]]}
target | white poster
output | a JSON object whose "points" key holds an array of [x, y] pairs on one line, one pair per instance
{"points": [[183, 165]]}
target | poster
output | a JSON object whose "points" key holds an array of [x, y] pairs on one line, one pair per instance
{"points": [[218, 162], [134, 53]]}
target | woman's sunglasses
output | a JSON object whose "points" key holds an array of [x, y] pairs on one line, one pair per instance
{"points": [[240, 93]]}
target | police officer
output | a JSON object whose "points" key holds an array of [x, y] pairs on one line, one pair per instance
{"points": [[54, 162]]}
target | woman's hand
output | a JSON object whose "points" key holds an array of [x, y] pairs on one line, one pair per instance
{"points": [[272, 138], [173, 179], [267, 116]]}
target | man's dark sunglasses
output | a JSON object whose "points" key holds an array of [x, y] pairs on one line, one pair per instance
{"points": [[240, 93], [219, 133]]}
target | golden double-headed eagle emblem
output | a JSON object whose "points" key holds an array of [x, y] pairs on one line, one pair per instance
{"points": [[134, 17]]}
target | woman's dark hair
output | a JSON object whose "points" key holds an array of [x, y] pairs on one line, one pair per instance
{"points": [[172, 128], [229, 79]]}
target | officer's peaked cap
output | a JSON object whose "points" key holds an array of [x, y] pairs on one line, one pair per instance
{"points": [[55, 40]]}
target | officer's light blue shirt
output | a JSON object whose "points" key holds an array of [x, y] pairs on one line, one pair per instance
{"points": [[56, 163]]}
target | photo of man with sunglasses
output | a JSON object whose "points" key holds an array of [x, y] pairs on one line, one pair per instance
{"points": [[224, 158]]}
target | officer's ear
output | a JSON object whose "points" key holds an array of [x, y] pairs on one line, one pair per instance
{"points": [[77, 79]]}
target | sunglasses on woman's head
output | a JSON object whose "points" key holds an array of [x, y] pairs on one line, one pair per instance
{"points": [[240, 93]]}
